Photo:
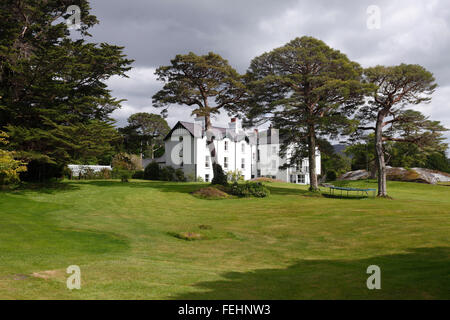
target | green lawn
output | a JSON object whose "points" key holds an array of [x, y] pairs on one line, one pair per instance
{"points": [[289, 246]]}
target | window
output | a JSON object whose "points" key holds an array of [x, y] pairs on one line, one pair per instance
{"points": [[274, 150], [253, 156], [259, 157], [306, 169], [258, 173], [243, 163], [206, 177], [207, 162], [301, 178], [274, 164], [243, 147], [225, 146], [225, 162]]}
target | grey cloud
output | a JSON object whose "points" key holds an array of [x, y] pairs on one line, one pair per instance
{"points": [[153, 32]]}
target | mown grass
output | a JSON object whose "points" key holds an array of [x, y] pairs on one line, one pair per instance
{"points": [[291, 245]]}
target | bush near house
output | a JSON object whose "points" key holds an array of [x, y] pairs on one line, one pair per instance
{"points": [[179, 175], [235, 176], [249, 189], [122, 174], [152, 171], [138, 174]]}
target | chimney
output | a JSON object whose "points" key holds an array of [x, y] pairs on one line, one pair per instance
{"points": [[235, 125]]}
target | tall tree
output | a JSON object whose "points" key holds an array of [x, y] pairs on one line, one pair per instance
{"points": [[397, 86], [206, 83], [48, 77], [306, 89], [145, 132]]}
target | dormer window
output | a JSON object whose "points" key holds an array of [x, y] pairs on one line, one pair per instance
{"points": [[225, 145]]}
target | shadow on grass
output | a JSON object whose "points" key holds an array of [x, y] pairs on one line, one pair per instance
{"points": [[421, 273], [47, 188], [351, 197], [163, 186], [32, 237]]}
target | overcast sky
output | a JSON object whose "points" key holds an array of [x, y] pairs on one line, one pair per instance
{"points": [[154, 31]]}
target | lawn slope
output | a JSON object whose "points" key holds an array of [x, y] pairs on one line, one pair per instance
{"points": [[126, 239]]}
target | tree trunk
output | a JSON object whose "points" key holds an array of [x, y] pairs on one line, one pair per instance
{"points": [[152, 151], [313, 185], [210, 142], [379, 152], [373, 171]]}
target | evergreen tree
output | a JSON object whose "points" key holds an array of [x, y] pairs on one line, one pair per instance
{"points": [[384, 113], [306, 89], [145, 133], [51, 83], [206, 83]]}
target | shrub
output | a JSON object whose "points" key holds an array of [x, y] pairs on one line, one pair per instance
{"points": [[9, 167], [200, 179], [331, 176], [235, 176], [179, 175], [125, 175], [152, 171], [248, 189], [167, 174], [219, 177], [126, 161], [138, 174], [122, 174], [105, 173], [87, 173]]}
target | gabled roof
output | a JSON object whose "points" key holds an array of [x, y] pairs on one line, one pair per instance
{"points": [[189, 126]]}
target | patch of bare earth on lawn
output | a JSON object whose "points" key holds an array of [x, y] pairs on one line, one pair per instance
{"points": [[48, 274]]}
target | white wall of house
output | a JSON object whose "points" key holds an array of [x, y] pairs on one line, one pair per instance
{"points": [[192, 154]]}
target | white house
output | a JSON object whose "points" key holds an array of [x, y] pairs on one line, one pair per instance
{"points": [[254, 153]]}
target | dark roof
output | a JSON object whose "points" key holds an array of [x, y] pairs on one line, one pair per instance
{"points": [[189, 126]]}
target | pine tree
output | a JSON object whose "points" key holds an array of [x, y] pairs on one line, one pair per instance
{"points": [[306, 89], [206, 83]]}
